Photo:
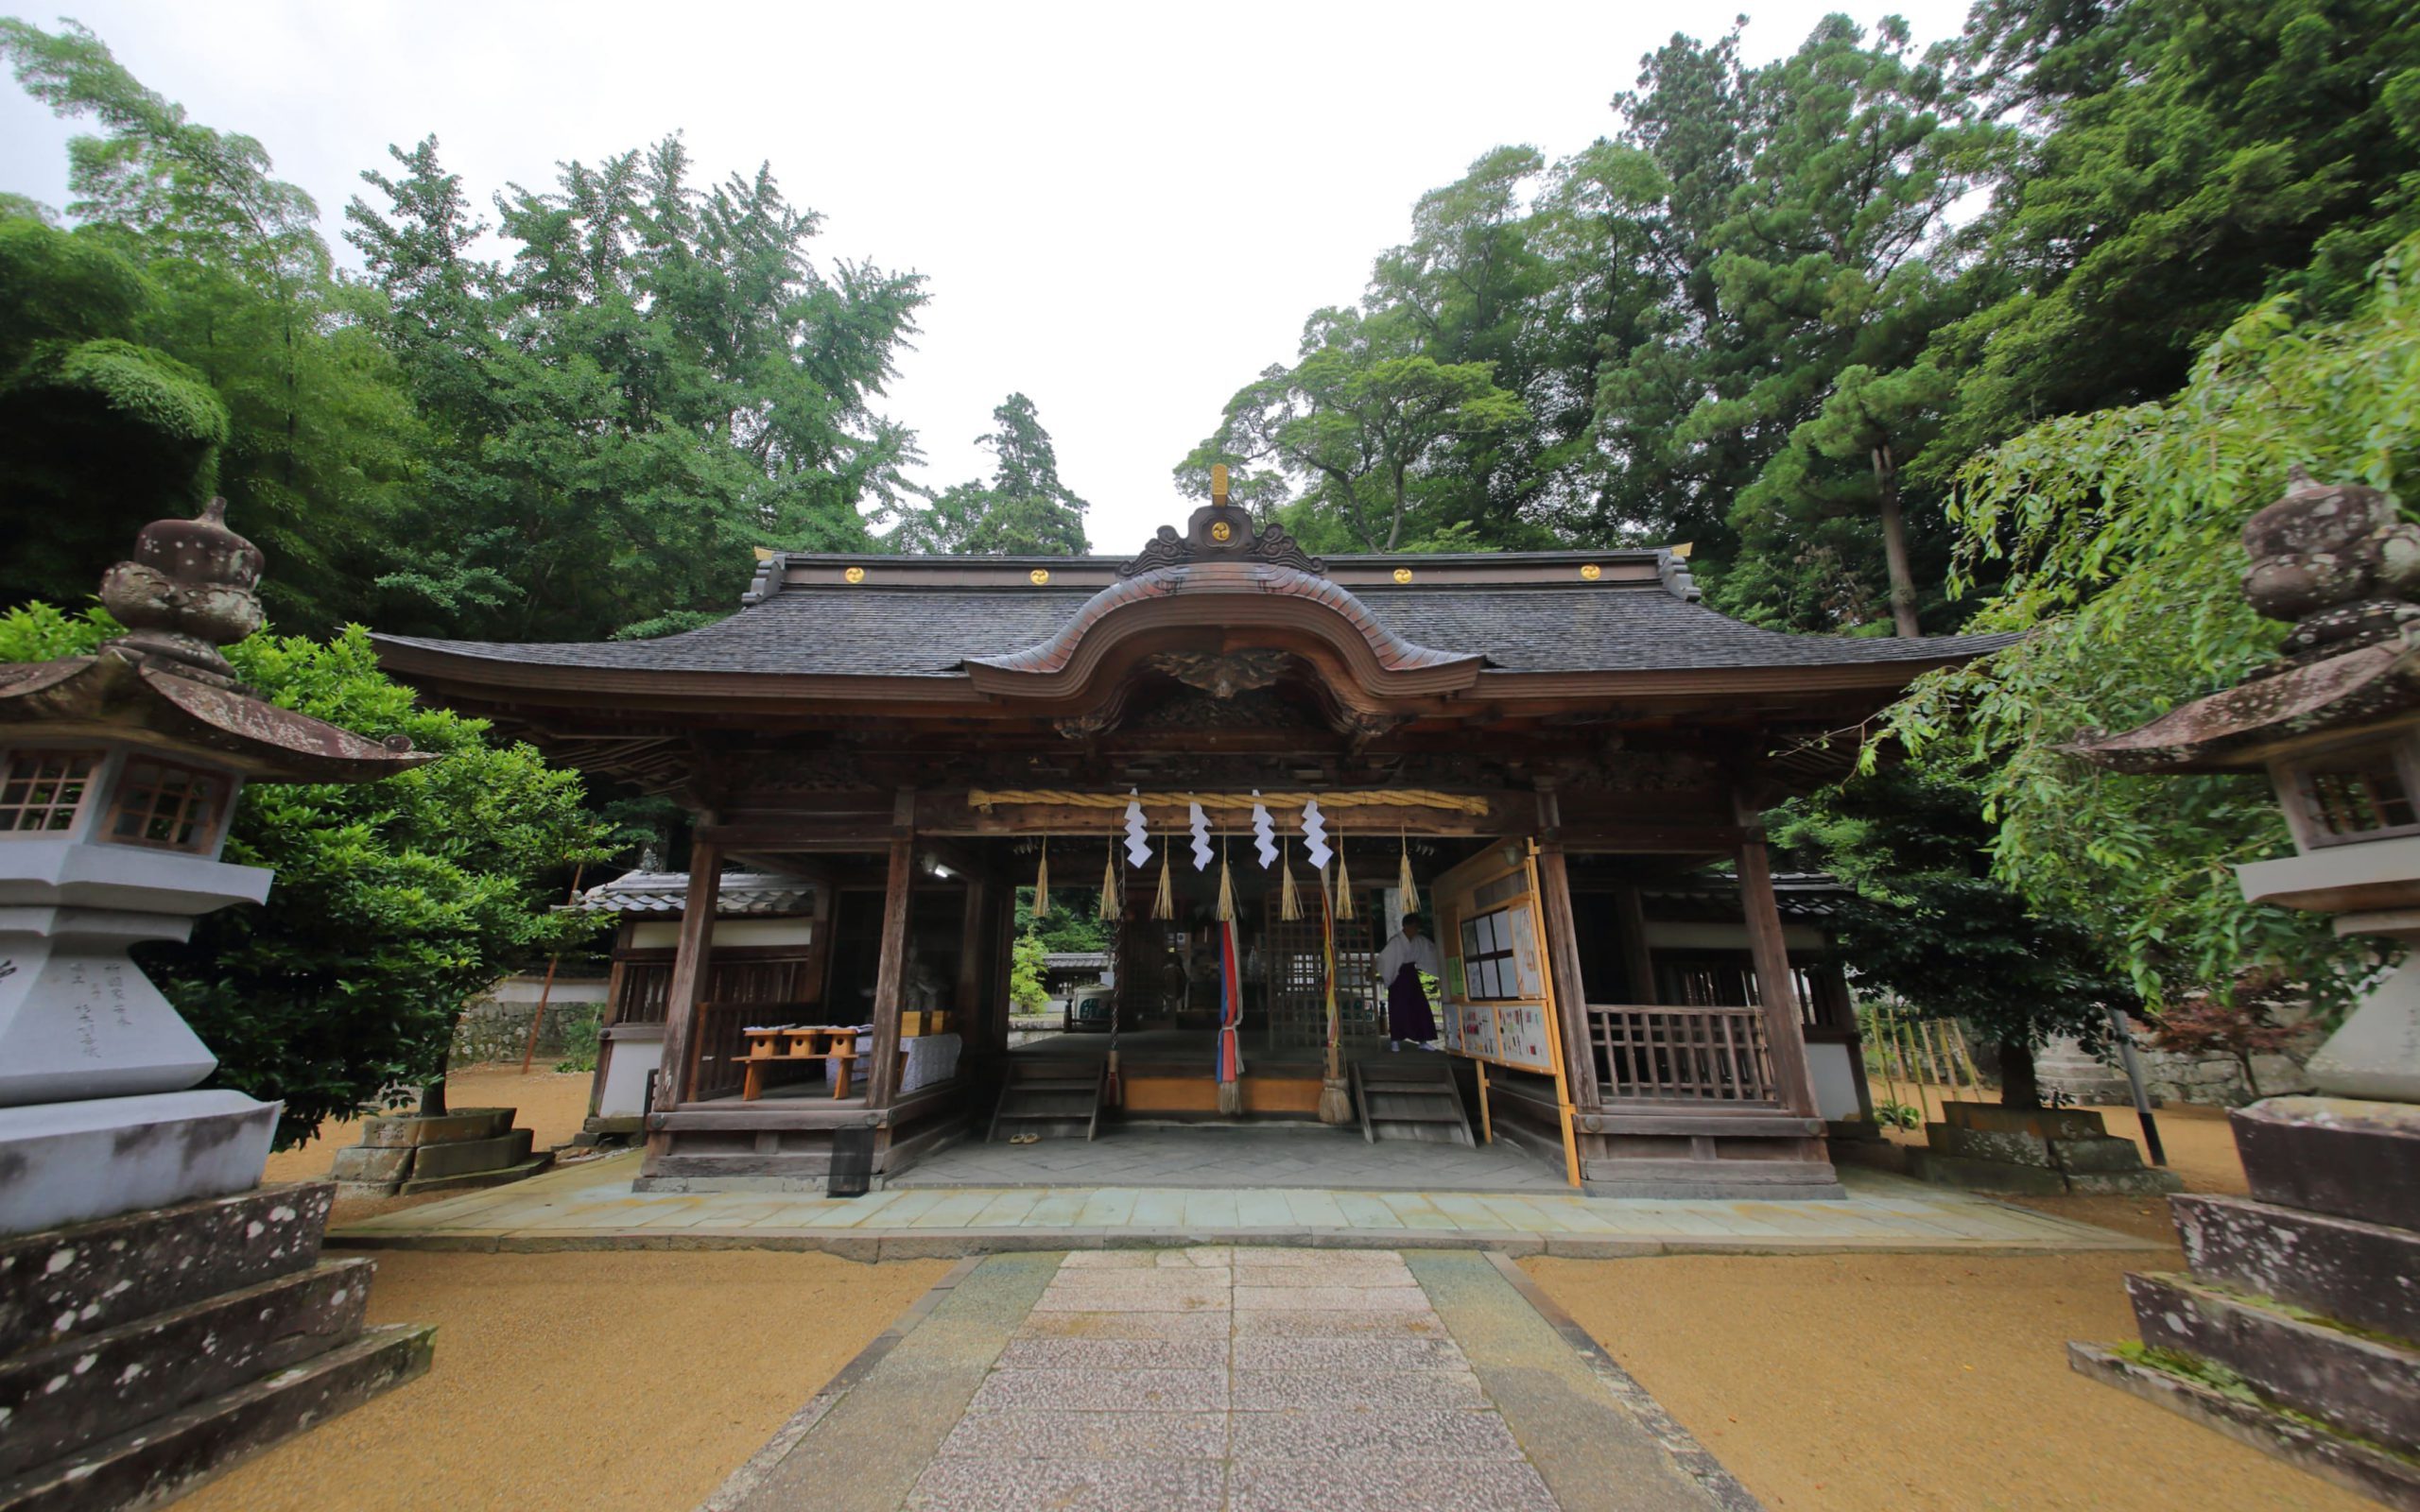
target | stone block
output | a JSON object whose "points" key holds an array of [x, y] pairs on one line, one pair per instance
{"points": [[154, 1463], [2005, 1145], [2038, 1123], [1985, 1175], [2139, 1184], [73, 1162], [2364, 1274], [400, 1130], [2364, 1387], [69, 1282], [59, 1399], [471, 1157], [2111, 1154], [368, 1164], [2334, 1154]]}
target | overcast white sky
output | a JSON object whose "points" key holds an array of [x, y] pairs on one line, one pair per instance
{"points": [[1125, 211]]}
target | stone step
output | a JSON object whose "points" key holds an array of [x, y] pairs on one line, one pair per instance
{"points": [[2141, 1182], [2389, 1479], [70, 1282], [467, 1157], [2367, 1387], [55, 1399], [156, 1462], [1985, 1175], [2364, 1274], [471, 1179], [2334, 1154]]}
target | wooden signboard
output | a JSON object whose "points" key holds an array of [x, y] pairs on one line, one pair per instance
{"points": [[1500, 1002]]}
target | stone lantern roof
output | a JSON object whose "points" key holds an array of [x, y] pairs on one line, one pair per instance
{"points": [[2335, 561], [164, 686]]}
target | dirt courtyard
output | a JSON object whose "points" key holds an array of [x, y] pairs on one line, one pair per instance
{"points": [[613, 1381], [1852, 1382]]}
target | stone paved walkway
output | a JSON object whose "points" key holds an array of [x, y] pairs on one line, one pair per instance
{"points": [[591, 1206], [1234, 1379], [1316, 1158]]}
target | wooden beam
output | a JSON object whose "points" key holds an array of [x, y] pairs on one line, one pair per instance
{"points": [[882, 1078], [1562, 949], [692, 947], [1793, 1083]]}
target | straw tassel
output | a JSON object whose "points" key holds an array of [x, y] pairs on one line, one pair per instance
{"points": [[1343, 881], [1289, 904], [1164, 905], [1109, 882], [1226, 887], [1042, 883], [1411, 893]]}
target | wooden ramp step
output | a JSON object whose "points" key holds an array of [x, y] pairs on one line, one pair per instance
{"points": [[1060, 1099], [1411, 1100]]}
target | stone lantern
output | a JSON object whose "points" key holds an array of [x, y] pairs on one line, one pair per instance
{"points": [[2304, 1292], [180, 1302]]}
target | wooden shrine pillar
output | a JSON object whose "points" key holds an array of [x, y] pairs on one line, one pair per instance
{"points": [[1562, 951], [1638, 962], [973, 934], [889, 988], [690, 953], [1793, 1082]]}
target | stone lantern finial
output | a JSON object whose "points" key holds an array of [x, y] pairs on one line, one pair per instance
{"points": [[2334, 559], [187, 590]]}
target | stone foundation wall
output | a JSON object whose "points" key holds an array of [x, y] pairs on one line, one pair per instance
{"points": [[2218, 1081], [490, 1031]]}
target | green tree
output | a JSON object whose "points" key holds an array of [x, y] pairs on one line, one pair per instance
{"points": [[1024, 510], [98, 432], [1929, 922], [658, 378], [1026, 987], [237, 287], [2184, 159], [2119, 533], [1354, 420], [394, 901]]}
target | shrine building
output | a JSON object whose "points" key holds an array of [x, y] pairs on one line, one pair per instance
{"points": [[1566, 753]]}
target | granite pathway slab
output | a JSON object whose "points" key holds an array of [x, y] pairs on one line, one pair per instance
{"points": [[1141, 1380]]}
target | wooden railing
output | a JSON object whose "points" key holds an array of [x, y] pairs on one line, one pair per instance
{"points": [[1699, 1054]]}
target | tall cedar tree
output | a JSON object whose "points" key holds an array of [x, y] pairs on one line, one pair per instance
{"points": [[1024, 510]]}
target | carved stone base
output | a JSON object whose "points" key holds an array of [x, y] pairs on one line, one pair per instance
{"points": [[142, 1354]]}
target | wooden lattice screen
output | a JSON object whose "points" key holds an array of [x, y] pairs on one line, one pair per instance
{"points": [[1297, 996]]}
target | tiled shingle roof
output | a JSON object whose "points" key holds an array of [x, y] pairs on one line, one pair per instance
{"points": [[917, 630]]}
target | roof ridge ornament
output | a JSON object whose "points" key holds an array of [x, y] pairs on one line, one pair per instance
{"points": [[1219, 531]]}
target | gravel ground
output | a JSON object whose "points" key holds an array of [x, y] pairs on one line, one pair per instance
{"points": [[1852, 1382], [602, 1381]]}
